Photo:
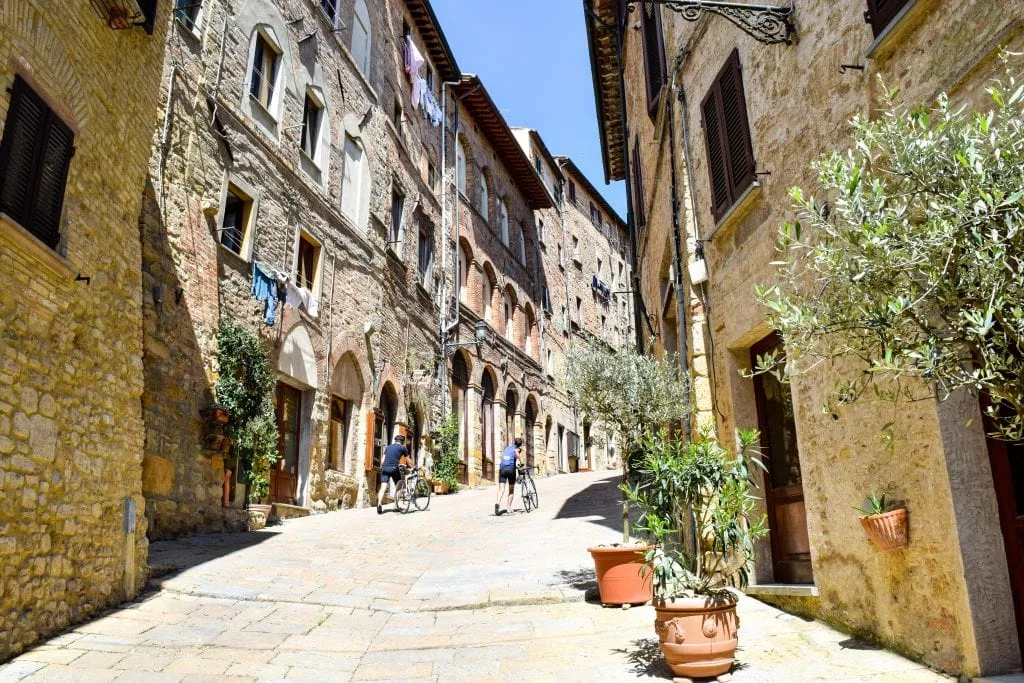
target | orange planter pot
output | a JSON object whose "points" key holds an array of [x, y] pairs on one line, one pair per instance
{"points": [[888, 530], [619, 578], [698, 636]]}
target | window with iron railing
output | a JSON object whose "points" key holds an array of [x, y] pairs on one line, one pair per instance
{"points": [[235, 219], [307, 262], [187, 12], [311, 121], [265, 63], [330, 8]]}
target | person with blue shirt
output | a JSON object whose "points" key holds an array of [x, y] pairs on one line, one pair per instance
{"points": [[507, 473], [389, 474]]}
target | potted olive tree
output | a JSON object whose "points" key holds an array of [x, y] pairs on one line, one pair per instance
{"points": [[245, 389], [703, 486], [626, 393]]}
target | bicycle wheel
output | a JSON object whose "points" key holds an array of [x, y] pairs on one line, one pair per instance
{"points": [[421, 494], [402, 497], [531, 501]]}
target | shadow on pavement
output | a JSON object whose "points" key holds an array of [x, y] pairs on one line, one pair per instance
{"points": [[167, 558], [645, 659], [601, 502]]}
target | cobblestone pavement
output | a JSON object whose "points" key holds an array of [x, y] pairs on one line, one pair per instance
{"points": [[453, 593]]}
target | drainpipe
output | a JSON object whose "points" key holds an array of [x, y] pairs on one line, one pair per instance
{"points": [[448, 325], [677, 249]]}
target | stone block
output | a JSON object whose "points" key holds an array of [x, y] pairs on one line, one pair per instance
{"points": [[157, 475]]}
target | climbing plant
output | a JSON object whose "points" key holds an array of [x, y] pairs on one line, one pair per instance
{"points": [[446, 464], [245, 387]]}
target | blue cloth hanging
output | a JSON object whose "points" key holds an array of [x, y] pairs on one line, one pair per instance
{"points": [[264, 288]]}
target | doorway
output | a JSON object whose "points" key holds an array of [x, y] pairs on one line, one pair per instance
{"points": [[284, 473], [383, 433], [1007, 460], [460, 408], [783, 482], [487, 393], [531, 425]]}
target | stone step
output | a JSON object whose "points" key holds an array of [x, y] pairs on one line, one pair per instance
{"points": [[285, 511]]}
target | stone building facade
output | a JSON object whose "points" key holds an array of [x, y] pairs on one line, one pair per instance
{"points": [[78, 103], [289, 144], [949, 598]]}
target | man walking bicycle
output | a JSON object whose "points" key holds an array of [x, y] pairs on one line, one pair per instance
{"points": [[510, 459], [394, 454]]}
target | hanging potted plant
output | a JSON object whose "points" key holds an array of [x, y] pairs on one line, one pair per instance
{"points": [[245, 389], [698, 510], [445, 471], [625, 393], [885, 522], [217, 414]]}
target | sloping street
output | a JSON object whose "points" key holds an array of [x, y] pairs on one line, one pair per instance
{"points": [[452, 593]]}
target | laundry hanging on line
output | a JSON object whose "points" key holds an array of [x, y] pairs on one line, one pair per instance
{"points": [[264, 288]]}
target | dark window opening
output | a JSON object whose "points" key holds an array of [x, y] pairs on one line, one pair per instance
{"points": [[307, 262], [187, 12], [235, 223], [264, 72], [426, 255], [311, 115]]}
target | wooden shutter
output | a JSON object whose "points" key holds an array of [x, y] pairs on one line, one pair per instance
{"points": [[638, 187], [34, 158], [727, 136], [881, 13], [654, 53], [148, 8]]}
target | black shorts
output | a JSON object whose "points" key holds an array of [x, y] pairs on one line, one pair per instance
{"points": [[393, 475], [507, 474]]}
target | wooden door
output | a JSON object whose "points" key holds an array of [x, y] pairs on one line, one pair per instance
{"points": [[487, 394], [1008, 475], [783, 483], [284, 473]]}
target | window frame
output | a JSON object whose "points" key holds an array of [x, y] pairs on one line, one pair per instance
{"points": [[425, 243], [248, 199], [396, 221], [49, 129], [461, 170], [882, 17], [361, 20], [654, 55], [503, 221], [313, 142], [188, 14], [361, 185], [312, 284], [263, 40]]}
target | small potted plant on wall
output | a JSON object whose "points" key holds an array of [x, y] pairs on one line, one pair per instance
{"points": [[445, 471], [884, 521], [245, 389], [625, 393], [698, 509]]}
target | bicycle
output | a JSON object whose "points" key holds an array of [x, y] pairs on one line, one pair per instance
{"points": [[531, 501], [412, 489]]}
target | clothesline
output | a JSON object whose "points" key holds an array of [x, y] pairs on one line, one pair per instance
{"points": [[271, 285]]}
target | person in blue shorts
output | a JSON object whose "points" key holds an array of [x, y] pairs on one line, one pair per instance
{"points": [[510, 459], [389, 474]]}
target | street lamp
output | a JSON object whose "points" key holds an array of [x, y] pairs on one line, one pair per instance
{"points": [[481, 335]]}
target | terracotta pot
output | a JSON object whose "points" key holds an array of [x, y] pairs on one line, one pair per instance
{"points": [[441, 487], [619, 578], [888, 530], [698, 636], [217, 415]]}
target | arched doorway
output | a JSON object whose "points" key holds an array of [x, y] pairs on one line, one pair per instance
{"points": [[460, 408], [383, 432], [511, 406], [530, 427], [487, 436]]}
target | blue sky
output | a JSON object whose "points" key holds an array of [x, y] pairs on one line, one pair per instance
{"points": [[532, 56]]}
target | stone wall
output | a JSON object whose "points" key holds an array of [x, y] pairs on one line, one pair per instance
{"points": [[217, 134], [71, 433], [944, 600]]}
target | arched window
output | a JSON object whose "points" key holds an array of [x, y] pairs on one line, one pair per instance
{"points": [[362, 36], [460, 166], [510, 316], [503, 221], [463, 276], [486, 292], [482, 205]]}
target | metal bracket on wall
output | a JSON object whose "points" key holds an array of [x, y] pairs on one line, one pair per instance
{"points": [[768, 24]]}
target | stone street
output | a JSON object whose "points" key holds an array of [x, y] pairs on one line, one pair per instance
{"points": [[452, 593]]}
